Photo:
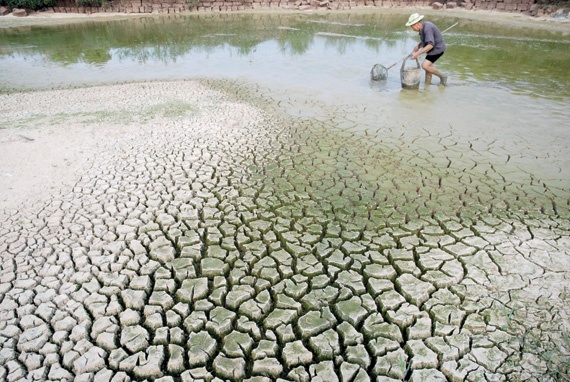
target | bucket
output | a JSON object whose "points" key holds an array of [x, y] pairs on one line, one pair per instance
{"points": [[411, 76]]}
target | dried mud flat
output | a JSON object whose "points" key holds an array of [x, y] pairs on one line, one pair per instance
{"points": [[172, 231]]}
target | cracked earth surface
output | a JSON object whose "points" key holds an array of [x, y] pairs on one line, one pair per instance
{"points": [[223, 241]]}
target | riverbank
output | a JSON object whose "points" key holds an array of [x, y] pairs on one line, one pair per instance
{"points": [[548, 22]]}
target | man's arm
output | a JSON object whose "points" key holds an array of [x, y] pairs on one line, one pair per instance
{"points": [[418, 52]]}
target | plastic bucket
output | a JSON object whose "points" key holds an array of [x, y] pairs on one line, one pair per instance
{"points": [[411, 76]]}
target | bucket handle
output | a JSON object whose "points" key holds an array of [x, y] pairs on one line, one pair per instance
{"points": [[404, 62]]}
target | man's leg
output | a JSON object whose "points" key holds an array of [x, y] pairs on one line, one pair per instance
{"points": [[430, 69]]}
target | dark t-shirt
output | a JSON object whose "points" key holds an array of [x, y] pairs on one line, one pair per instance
{"points": [[429, 34]]}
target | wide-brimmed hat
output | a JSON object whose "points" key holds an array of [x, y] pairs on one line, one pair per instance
{"points": [[414, 18]]}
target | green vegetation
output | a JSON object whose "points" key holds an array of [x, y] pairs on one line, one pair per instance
{"points": [[28, 4], [91, 3], [40, 4]]}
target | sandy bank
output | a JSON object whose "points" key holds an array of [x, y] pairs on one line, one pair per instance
{"points": [[506, 18]]}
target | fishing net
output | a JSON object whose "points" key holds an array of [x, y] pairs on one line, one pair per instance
{"points": [[378, 73]]}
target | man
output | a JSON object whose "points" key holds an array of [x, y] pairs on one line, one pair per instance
{"points": [[431, 43]]}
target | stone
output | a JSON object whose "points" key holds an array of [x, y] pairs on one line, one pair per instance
{"points": [[19, 12]]}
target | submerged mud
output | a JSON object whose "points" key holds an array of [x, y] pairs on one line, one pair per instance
{"points": [[237, 234]]}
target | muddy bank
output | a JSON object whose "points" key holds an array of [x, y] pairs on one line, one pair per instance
{"points": [[507, 18]]}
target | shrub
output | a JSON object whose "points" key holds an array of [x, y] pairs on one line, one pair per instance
{"points": [[91, 3], [28, 4]]}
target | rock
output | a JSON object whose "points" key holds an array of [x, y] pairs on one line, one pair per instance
{"points": [[4, 11], [437, 5], [451, 5], [19, 12]]}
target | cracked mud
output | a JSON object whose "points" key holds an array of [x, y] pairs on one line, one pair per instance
{"points": [[225, 241]]}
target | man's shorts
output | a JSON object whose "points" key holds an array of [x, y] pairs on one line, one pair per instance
{"points": [[434, 58]]}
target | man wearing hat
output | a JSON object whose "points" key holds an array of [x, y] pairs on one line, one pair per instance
{"points": [[431, 43]]}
